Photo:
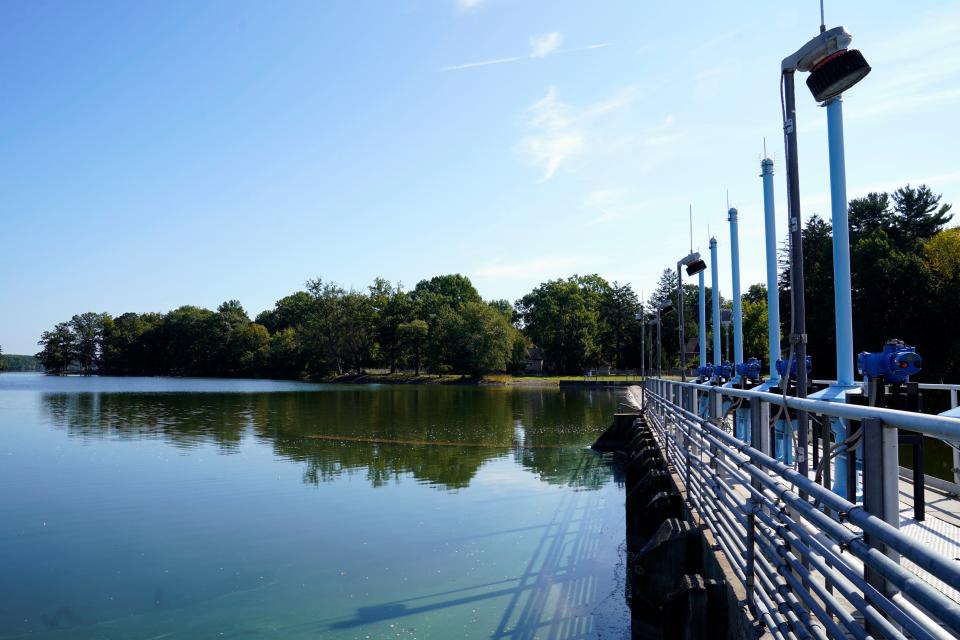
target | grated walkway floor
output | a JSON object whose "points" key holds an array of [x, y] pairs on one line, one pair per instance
{"points": [[939, 530]]}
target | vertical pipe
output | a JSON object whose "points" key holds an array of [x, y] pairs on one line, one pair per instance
{"points": [[773, 295], [956, 453], [703, 323], [737, 310], [798, 332], [715, 294], [643, 348], [841, 244], [659, 348], [681, 316]]}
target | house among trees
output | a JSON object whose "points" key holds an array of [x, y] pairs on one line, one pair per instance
{"points": [[535, 361]]}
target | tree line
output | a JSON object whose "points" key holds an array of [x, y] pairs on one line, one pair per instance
{"points": [[440, 326], [906, 284]]}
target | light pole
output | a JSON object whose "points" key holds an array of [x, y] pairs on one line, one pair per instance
{"points": [[703, 324], [833, 68], [694, 265]]}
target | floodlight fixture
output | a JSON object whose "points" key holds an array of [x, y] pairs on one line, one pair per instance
{"points": [[694, 264], [833, 66], [696, 267]]}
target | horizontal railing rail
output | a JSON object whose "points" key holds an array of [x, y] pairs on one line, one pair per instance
{"points": [[942, 427], [813, 564]]}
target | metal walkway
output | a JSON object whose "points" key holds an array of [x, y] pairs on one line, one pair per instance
{"points": [[814, 565]]}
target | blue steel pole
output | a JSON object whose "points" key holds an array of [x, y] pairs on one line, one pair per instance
{"points": [[841, 244], [837, 392], [703, 323], [715, 293], [737, 311], [773, 296]]}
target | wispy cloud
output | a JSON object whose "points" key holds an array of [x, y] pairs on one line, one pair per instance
{"points": [[469, 5], [610, 205], [550, 266], [481, 63], [557, 130], [541, 46]]}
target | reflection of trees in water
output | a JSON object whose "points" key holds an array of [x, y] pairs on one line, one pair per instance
{"points": [[440, 435]]}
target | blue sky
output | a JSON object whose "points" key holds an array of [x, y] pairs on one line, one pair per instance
{"points": [[164, 153]]}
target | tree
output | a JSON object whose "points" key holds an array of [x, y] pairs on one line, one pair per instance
{"points": [[504, 307], [391, 307], [618, 309], [340, 330], [755, 327], [917, 215], [186, 341], [288, 312], [481, 339], [88, 329], [561, 317], [818, 295], [519, 345], [413, 336], [452, 290], [59, 348], [943, 254]]}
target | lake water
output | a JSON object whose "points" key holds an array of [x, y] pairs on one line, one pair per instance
{"points": [[148, 508]]}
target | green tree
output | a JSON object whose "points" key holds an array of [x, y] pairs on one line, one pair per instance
{"points": [[288, 312], [917, 216], [391, 307], [618, 309], [755, 326], [481, 339], [88, 330], [562, 317], [413, 336], [59, 348]]}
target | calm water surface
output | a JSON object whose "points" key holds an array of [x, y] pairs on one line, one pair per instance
{"points": [[169, 508]]}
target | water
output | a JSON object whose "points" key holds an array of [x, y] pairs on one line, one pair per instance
{"points": [[171, 508]]}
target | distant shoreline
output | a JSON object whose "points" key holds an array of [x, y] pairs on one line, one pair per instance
{"points": [[492, 380]]}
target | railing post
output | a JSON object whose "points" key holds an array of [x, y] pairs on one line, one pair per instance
{"points": [[716, 410], [880, 488], [759, 436], [687, 444], [956, 452]]}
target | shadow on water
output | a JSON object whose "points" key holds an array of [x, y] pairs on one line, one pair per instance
{"points": [[554, 597], [439, 435]]}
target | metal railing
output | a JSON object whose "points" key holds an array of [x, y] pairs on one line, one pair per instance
{"points": [[953, 390], [813, 564]]}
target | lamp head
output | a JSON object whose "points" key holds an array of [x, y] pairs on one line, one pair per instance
{"points": [[833, 67], [693, 263], [665, 307], [696, 267]]}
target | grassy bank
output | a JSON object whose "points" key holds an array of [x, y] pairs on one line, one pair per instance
{"points": [[492, 379]]}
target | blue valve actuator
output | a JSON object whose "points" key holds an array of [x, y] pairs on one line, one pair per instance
{"points": [[782, 367], [749, 369], [896, 363]]}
